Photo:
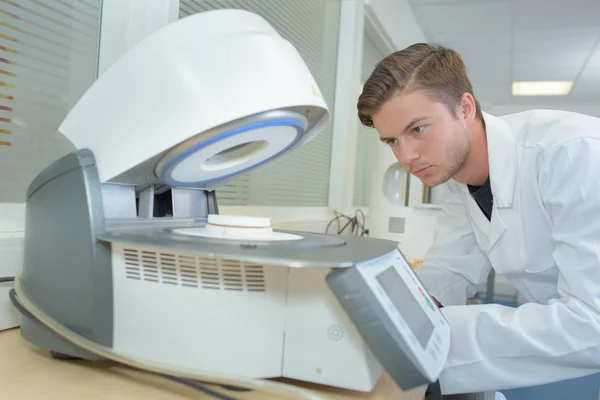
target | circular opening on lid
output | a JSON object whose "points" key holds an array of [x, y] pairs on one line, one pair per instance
{"points": [[231, 149], [233, 155]]}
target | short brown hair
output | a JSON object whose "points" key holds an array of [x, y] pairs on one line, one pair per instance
{"points": [[435, 69]]}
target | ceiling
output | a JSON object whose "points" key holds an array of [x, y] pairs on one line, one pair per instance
{"points": [[503, 41]]}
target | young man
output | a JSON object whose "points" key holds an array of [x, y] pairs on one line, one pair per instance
{"points": [[522, 197]]}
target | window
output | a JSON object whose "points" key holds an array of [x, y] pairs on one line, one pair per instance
{"points": [[48, 58], [433, 195], [367, 137], [300, 178]]}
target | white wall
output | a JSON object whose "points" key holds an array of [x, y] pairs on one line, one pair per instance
{"points": [[503, 109], [397, 20], [12, 227], [126, 22]]}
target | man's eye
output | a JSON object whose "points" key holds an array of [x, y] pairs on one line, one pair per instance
{"points": [[419, 129], [392, 142]]}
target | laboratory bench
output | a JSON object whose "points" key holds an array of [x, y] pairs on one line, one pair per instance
{"points": [[29, 373]]}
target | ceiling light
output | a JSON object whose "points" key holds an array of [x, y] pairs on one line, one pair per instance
{"points": [[541, 88]]}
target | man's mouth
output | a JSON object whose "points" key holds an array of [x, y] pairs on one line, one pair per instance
{"points": [[422, 171]]}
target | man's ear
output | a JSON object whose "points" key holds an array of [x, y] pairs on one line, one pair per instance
{"points": [[468, 107]]}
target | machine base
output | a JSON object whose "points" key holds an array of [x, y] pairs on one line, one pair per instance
{"points": [[37, 334]]}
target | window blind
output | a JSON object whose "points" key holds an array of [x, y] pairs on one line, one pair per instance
{"points": [[300, 178], [367, 138], [48, 58]]}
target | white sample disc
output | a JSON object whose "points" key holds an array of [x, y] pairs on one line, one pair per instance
{"points": [[239, 220], [237, 227]]}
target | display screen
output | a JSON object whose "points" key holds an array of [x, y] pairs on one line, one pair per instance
{"points": [[408, 306]]}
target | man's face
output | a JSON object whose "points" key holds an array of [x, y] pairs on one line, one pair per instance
{"points": [[425, 137]]}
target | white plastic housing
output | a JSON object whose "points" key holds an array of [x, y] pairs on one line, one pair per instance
{"points": [[193, 75], [322, 345], [232, 317]]}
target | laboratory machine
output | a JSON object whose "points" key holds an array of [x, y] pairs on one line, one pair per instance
{"points": [[128, 258]]}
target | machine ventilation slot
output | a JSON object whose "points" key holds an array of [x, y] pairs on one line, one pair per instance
{"points": [[132, 264], [194, 272], [396, 225]]}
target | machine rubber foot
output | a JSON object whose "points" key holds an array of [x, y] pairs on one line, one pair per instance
{"points": [[62, 356]]}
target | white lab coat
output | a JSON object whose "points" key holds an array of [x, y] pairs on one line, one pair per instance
{"points": [[544, 236]]}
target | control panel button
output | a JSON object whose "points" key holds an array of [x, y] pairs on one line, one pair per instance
{"points": [[427, 299], [434, 354]]}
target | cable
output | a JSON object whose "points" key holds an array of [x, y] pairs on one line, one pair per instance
{"points": [[7, 279], [188, 382], [200, 387], [336, 219], [13, 298], [358, 210], [356, 227], [281, 389], [350, 221]]}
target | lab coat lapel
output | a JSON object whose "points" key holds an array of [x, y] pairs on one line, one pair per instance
{"points": [[475, 213], [497, 228], [502, 155]]}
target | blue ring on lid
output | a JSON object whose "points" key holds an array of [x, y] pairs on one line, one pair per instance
{"points": [[167, 178]]}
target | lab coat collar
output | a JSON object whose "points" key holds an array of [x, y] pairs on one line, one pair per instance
{"points": [[502, 156]]}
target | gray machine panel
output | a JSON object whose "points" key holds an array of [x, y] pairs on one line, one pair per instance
{"points": [[314, 250], [63, 260], [376, 327], [72, 161]]}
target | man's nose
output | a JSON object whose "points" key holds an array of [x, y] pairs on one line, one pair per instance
{"points": [[407, 153]]}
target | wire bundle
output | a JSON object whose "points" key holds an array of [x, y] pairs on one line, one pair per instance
{"points": [[356, 226]]}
